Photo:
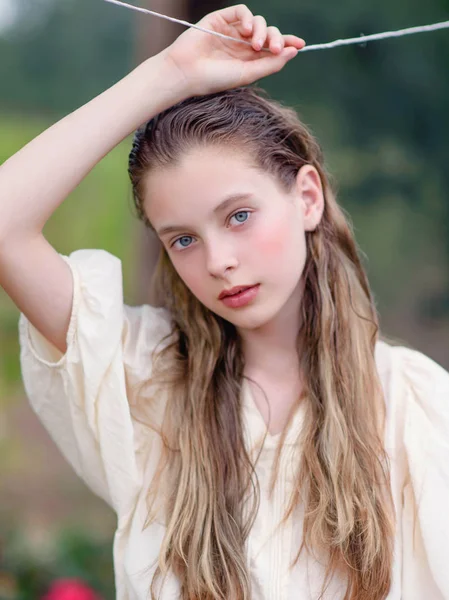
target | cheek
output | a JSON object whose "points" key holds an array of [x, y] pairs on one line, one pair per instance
{"points": [[191, 276], [271, 248], [273, 242]]}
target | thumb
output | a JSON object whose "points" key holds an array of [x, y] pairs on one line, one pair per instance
{"points": [[262, 67]]}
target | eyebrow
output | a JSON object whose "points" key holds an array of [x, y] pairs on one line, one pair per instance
{"points": [[223, 206]]}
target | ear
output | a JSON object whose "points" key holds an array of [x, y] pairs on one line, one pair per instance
{"points": [[311, 196]]}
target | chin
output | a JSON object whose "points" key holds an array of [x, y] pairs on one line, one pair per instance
{"points": [[253, 319]]}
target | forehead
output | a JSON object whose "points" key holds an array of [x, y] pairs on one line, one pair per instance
{"points": [[199, 181]]}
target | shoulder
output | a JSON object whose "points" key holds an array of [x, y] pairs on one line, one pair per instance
{"points": [[100, 321], [411, 368], [101, 286], [416, 389]]}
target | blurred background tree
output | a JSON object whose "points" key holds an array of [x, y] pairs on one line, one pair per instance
{"points": [[380, 113]]}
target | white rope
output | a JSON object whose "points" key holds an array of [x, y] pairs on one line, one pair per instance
{"points": [[186, 23], [358, 40], [377, 36]]}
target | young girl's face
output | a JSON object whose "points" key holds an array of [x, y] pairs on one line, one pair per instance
{"points": [[224, 223]]}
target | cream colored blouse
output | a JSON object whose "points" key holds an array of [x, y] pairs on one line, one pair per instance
{"points": [[83, 398]]}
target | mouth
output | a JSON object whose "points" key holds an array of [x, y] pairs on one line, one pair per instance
{"points": [[241, 297], [233, 291]]}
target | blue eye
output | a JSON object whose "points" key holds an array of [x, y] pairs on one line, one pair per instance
{"points": [[241, 212], [184, 237]]}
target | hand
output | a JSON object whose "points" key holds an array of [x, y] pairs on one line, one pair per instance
{"points": [[206, 63]]}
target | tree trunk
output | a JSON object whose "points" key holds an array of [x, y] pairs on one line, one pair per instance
{"points": [[153, 35]]}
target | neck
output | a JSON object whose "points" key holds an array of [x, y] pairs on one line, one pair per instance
{"points": [[272, 349]]}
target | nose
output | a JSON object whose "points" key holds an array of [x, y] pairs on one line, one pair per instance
{"points": [[220, 257]]}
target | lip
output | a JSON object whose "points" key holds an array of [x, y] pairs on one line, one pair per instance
{"points": [[234, 290], [243, 298]]}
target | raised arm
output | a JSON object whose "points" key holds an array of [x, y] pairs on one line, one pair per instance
{"points": [[37, 179]]}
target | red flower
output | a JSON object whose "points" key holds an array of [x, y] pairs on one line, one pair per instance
{"points": [[70, 589]]}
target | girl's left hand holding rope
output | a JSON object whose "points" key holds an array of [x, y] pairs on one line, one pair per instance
{"points": [[206, 63]]}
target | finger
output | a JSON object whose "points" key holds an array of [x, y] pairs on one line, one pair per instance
{"points": [[275, 40], [239, 13], [293, 40], [259, 32], [245, 29], [261, 67]]}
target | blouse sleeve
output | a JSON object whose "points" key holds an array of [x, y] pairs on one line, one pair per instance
{"points": [[82, 397], [426, 440]]}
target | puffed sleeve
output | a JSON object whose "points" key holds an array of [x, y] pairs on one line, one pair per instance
{"points": [[426, 496], [82, 397]]}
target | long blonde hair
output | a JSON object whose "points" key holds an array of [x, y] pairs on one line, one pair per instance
{"points": [[342, 476]]}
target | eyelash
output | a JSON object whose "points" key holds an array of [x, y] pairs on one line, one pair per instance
{"points": [[233, 215]]}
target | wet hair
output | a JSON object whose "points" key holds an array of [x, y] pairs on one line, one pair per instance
{"points": [[342, 476]]}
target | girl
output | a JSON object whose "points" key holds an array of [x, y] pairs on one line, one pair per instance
{"points": [[254, 434]]}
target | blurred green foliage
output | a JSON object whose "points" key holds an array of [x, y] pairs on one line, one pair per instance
{"points": [[27, 574], [61, 54]]}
